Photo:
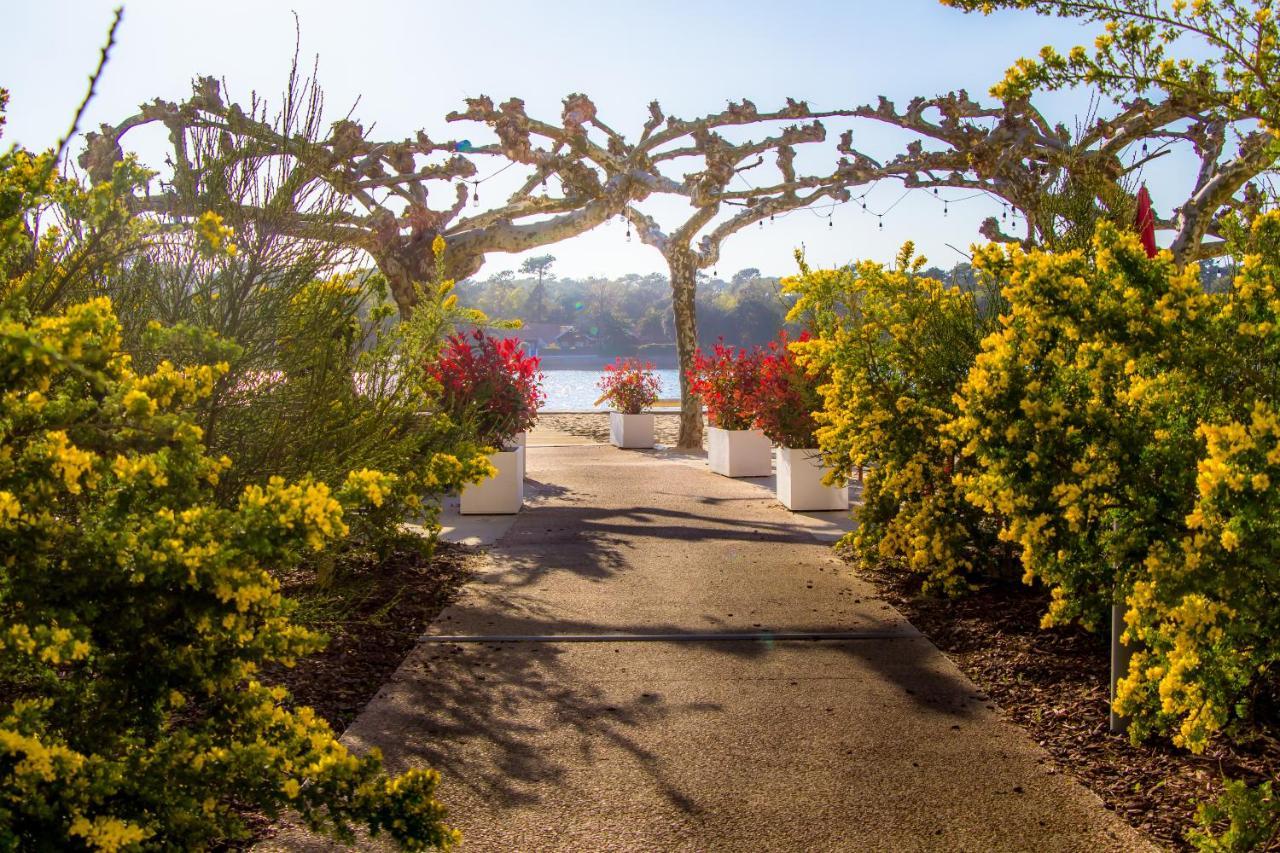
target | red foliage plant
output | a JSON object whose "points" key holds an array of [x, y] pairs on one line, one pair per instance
{"points": [[787, 397], [630, 386], [728, 382], [489, 383]]}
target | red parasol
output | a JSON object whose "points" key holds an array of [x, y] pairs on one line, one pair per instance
{"points": [[1146, 222]]}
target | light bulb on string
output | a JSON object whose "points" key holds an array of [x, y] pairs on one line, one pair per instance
{"points": [[475, 198], [944, 208]]}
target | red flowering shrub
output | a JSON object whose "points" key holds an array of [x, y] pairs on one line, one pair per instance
{"points": [[629, 385], [787, 396], [727, 382], [489, 383]]}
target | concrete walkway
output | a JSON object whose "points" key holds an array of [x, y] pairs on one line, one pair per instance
{"points": [[701, 744]]}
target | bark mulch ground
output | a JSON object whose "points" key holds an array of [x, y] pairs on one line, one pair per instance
{"points": [[1055, 685], [372, 616]]}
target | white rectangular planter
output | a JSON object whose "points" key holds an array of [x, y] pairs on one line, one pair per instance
{"points": [[502, 494], [739, 452], [631, 430], [522, 442], [800, 487]]}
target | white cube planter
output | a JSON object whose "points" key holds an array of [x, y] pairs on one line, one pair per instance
{"points": [[501, 494], [631, 430], [522, 442], [800, 486], [739, 452]]}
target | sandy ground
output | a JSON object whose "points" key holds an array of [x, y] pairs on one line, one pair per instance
{"points": [[595, 425]]}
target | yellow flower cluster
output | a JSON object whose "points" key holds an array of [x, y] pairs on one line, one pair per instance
{"points": [[214, 236], [374, 486], [308, 507], [108, 834]]}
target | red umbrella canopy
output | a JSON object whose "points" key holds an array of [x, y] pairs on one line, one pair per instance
{"points": [[1146, 222]]}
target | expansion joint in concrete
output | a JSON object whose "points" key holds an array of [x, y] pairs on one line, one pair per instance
{"points": [[676, 637]]}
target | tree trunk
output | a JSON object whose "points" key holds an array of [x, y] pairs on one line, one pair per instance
{"points": [[684, 288], [409, 262]]}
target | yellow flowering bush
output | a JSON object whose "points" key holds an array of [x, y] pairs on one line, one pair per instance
{"points": [[136, 612], [897, 344], [1080, 413], [1123, 423]]}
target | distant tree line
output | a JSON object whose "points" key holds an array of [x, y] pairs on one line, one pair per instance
{"points": [[630, 313]]}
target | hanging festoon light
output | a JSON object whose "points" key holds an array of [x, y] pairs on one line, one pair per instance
{"points": [[475, 199]]}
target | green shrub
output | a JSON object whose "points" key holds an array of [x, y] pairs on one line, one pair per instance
{"points": [[135, 611], [897, 345], [1251, 817]]}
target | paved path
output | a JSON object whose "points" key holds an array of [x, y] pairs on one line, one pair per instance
{"points": [[876, 743]]}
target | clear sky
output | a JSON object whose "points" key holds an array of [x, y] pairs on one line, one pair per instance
{"points": [[411, 62]]}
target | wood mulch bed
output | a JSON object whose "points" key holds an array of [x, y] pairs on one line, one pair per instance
{"points": [[372, 617], [1054, 683]]}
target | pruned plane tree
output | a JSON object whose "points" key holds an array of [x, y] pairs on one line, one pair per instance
{"points": [[578, 173], [1054, 176]]}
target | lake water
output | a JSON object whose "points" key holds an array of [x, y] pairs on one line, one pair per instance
{"points": [[577, 390]]}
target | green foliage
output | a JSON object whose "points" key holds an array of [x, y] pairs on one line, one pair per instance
{"points": [[1251, 817], [135, 611], [1232, 66], [897, 344]]}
